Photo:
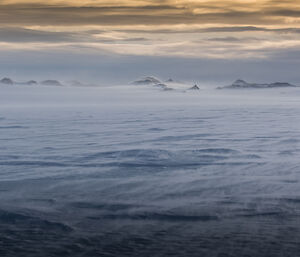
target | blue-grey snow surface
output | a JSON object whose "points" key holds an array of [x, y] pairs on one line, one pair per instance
{"points": [[134, 171]]}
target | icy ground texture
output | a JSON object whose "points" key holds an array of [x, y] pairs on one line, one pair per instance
{"points": [[127, 171]]}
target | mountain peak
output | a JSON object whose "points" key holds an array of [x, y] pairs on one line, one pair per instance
{"points": [[240, 82], [7, 81], [147, 81], [170, 80], [50, 82], [195, 87]]}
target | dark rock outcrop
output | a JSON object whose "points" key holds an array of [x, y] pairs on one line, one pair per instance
{"points": [[195, 87]]}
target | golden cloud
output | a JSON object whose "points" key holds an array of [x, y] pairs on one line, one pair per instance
{"points": [[200, 28]]}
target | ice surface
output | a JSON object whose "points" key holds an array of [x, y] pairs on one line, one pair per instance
{"points": [[136, 171]]}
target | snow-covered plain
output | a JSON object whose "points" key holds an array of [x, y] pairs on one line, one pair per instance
{"points": [[136, 171]]}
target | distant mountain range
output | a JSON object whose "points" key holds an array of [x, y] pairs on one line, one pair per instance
{"points": [[147, 81], [50, 83], [168, 85], [238, 84], [243, 84], [152, 81], [8, 81]]}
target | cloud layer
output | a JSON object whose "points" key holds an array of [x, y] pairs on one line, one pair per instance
{"points": [[205, 29]]}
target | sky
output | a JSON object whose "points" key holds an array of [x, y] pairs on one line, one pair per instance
{"points": [[118, 41]]}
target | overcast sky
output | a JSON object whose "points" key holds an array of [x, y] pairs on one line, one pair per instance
{"points": [[117, 41]]}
